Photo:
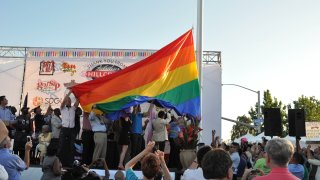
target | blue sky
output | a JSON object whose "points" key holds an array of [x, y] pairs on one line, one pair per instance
{"points": [[267, 44]]}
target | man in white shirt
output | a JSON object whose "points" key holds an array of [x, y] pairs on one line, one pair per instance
{"points": [[67, 133]]}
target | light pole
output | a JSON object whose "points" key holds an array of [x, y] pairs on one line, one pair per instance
{"points": [[258, 92]]}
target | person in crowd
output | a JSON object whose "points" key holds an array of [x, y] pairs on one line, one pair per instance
{"points": [[67, 134], [48, 116], [44, 140], [174, 159], [137, 129], [51, 166], [160, 134], [197, 173], [149, 130], [99, 126], [56, 124], [119, 175], [6, 115], [38, 119], [314, 162], [13, 110], [295, 167], [100, 164], [12, 163], [217, 164], [151, 163], [235, 157], [3, 173], [77, 120], [279, 152], [261, 163], [124, 138], [23, 129], [87, 139]]}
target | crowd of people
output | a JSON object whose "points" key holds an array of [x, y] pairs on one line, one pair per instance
{"points": [[51, 139]]}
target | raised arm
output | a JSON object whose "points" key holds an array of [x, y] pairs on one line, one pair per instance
{"points": [[76, 104], [64, 101], [138, 157], [164, 167], [146, 114]]}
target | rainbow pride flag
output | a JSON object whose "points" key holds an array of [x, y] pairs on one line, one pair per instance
{"points": [[169, 77]]}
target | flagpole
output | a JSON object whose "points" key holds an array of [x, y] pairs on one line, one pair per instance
{"points": [[199, 54]]}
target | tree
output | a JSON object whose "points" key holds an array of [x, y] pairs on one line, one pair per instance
{"points": [[240, 130], [269, 102], [311, 107]]}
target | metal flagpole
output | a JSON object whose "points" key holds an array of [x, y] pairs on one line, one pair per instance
{"points": [[199, 54]]}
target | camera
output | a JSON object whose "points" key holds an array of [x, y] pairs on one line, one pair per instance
{"points": [[28, 138]]}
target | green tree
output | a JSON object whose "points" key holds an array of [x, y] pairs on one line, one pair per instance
{"points": [[240, 130], [311, 107], [269, 102]]}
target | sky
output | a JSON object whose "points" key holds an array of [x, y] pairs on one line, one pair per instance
{"points": [[266, 44]]}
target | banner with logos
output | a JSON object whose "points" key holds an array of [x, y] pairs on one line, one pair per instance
{"points": [[313, 131], [50, 71]]}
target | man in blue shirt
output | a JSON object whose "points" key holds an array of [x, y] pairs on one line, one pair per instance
{"points": [[5, 114], [11, 162], [137, 130]]}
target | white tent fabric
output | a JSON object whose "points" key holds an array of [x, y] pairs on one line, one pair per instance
{"points": [[248, 136], [303, 140], [258, 138]]}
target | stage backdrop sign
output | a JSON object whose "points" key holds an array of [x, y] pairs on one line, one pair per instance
{"points": [[50, 71], [313, 131]]}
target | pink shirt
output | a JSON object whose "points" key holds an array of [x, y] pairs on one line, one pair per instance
{"points": [[278, 173]]}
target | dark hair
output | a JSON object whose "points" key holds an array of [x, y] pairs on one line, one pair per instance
{"points": [[216, 164], [298, 158], [150, 165], [201, 152], [52, 150], [236, 144], [2, 98], [161, 114], [92, 176], [56, 111]]}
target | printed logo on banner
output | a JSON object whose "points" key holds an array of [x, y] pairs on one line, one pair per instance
{"points": [[48, 87], [46, 67], [102, 68], [54, 101], [37, 101], [66, 67]]}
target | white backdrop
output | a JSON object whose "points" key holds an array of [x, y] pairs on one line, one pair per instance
{"points": [[11, 76], [211, 101]]}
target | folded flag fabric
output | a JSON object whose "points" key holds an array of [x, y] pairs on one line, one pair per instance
{"points": [[169, 77]]}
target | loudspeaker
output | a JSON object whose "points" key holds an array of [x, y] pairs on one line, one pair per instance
{"points": [[297, 125], [272, 122]]}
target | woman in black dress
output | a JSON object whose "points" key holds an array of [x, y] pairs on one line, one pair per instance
{"points": [[124, 138]]}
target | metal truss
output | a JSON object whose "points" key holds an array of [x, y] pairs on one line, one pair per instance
{"points": [[211, 57], [12, 52], [20, 52]]}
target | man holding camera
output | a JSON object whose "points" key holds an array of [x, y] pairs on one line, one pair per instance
{"points": [[11, 162]]}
